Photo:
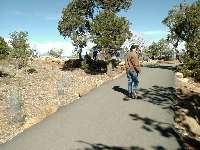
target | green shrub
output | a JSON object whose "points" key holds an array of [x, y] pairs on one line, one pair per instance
{"points": [[184, 69], [20, 48], [190, 69], [93, 66], [115, 63], [85, 64], [55, 53], [72, 64], [4, 49], [196, 74]]}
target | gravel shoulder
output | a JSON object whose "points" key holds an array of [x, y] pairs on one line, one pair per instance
{"points": [[43, 92]]}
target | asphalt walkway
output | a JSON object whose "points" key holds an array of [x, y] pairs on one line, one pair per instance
{"points": [[102, 120]]}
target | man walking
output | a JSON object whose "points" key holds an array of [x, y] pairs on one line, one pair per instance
{"points": [[132, 70]]}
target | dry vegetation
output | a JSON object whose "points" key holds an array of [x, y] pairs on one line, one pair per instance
{"points": [[187, 111], [44, 88]]}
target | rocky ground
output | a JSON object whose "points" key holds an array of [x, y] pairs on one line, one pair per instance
{"points": [[187, 111], [43, 87]]}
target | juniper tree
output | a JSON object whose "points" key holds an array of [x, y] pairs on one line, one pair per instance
{"points": [[78, 18]]}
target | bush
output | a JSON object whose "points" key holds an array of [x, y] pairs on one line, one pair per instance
{"points": [[72, 64], [21, 48], [55, 53], [115, 63], [99, 66], [4, 49], [196, 74], [93, 66], [85, 64], [190, 69], [183, 69]]}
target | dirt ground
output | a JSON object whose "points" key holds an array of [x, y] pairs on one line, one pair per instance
{"points": [[187, 111], [44, 88]]}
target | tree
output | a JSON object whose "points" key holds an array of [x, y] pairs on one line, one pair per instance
{"points": [[20, 47], [114, 5], [75, 22], [160, 50], [134, 39], [4, 49], [77, 18], [55, 53], [33, 53], [110, 32], [184, 23]]}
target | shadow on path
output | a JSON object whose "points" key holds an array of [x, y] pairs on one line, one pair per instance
{"points": [[158, 95], [121, 90], [150, 125], [161, 66], [93, 146]]}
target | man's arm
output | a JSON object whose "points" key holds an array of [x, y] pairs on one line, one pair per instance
{"points": [[136, 62], [126, 64]]}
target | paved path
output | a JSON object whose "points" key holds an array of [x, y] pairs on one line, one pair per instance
{"points": [[102, 120]]}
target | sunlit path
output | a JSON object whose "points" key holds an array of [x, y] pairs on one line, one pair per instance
{"points": [[102, 120]]}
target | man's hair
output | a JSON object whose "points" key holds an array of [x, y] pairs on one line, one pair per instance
{"points": [[133, 47]]}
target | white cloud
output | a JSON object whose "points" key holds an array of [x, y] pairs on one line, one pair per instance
{"points": [[43, 47]]}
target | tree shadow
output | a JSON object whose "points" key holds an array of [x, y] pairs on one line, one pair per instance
{"points": [[93, 146], [3, 74], [98, 146], [165, 129], [71, 65], [190, 102], [151, 125], [168, 67], [158, 95]]}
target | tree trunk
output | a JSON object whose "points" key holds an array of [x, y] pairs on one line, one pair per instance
{"points": [[109, 65], [109, 68], [80, 54]]}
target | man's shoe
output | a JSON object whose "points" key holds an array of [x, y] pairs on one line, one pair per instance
{"points": [[134, 95]]}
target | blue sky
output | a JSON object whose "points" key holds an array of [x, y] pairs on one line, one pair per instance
{"points": [[40, 17]]}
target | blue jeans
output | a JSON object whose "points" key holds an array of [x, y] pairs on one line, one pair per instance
{"points": [[132, 81]]}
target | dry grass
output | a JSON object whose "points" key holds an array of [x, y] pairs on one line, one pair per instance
{"points": [[40, 92]]}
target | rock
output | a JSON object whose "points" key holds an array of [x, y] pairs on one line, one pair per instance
{"points": [[185, 80], [122, 63], [99, 82], [184, 110], [192, 125], [179, 75], [30, 122]]}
